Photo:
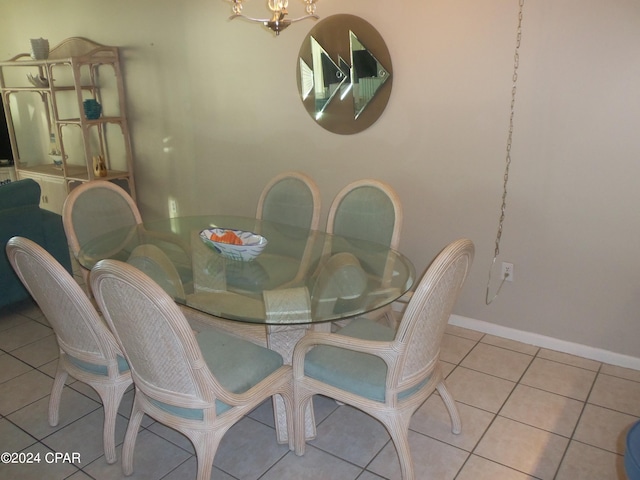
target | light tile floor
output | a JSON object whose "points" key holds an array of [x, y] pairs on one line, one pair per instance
{"points": [[528, 413]]}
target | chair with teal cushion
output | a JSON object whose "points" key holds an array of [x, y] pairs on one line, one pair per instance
{"points": [[95, 208], [387, 373], [290, 198], [291, 203], [368, 210], [88, 350], [199, 385]]}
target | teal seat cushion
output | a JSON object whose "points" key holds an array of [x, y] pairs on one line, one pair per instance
{"points": [[360, 373], [355, 372], [123, 366], [237, 364]]}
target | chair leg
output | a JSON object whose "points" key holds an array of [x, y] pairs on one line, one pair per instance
{"points": [[287, 400], [206, 446], [56, 394], [450, 403], [130, 438], [301, 400], [111, 396], [398, 429]]}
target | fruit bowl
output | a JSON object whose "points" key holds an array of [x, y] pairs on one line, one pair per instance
{"points": [[234, 244]]}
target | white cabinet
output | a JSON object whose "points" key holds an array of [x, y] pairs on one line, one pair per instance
{"points": [[44, 107], [53, 189], [7, 174]]}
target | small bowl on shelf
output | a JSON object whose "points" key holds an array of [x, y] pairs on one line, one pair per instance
{"points": [[57, 159], [234, 244]]}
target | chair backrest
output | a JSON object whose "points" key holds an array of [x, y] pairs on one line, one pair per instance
{"points": [[292, 198], [367, 210], [154, 262], [80, 331], [338, 277], [165, 360], [95, 208], [423, 324]]}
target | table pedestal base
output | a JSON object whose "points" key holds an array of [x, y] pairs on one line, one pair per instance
{"points": [[289, 305], [283, 340]]}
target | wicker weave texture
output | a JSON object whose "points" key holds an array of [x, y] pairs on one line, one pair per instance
{"points": [[371, 210], [367, 209], [167, 365], [95, 208], [292, 198], [412, 357], [81, 334]]}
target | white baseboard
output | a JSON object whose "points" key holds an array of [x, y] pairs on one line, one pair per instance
{"points": [[550, 343]]}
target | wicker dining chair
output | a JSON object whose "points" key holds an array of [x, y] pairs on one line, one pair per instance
{"points": [[88, 350], [383, 372], [291, 198], [96, 208], [199, 385], [368, 210]]}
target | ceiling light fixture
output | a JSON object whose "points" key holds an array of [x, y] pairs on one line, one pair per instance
{"points": [[278, 20]]}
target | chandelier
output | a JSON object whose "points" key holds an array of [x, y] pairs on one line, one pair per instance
{"points": [[278, 20]]}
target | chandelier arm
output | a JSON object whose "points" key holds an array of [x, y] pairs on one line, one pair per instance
{"points": [[315, 17], [251, 19]]}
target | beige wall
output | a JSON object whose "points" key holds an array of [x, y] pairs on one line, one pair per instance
{"points": [[215, 113]]}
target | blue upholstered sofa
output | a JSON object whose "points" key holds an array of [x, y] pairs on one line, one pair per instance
{"points": [[632, 453], [21, 215]]}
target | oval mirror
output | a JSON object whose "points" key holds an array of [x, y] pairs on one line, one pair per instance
{"points": [[344, 74]]}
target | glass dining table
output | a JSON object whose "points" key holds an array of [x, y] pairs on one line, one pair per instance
{"points": [[303, 279]]}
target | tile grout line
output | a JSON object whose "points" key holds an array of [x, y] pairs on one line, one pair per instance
{"points": [[575, 428]]}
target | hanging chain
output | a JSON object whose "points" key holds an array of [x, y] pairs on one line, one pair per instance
{"points": [[503, 208]]}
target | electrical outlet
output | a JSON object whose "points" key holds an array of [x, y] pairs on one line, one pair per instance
{"points": [[173, 206], [507, 271]]}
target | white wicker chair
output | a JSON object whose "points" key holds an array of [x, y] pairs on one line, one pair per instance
{"points": [[292, 198], [387, 373], [96, 208], [368, 210], [88, 351], [199, 385]]}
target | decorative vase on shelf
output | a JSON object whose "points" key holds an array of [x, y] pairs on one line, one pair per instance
{"points": [[92, 109], [99, 166], [56, 157]]}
